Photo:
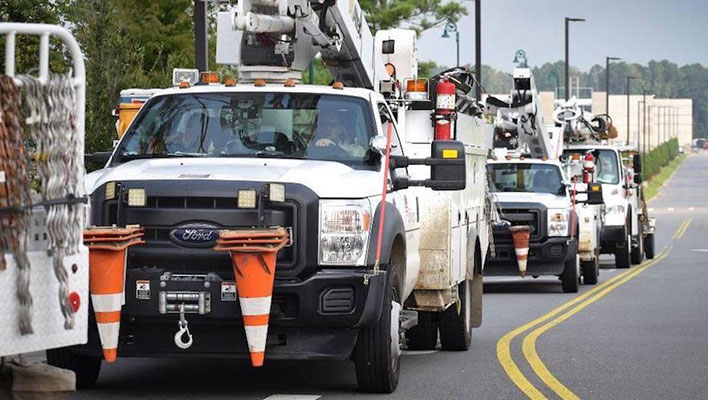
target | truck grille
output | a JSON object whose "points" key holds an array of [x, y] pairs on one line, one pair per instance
{"points": [[517, 217], [174, 204]]}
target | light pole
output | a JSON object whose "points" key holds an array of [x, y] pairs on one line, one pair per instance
{"points": [[478, 47], [644, 125], [629, 78], [567, 66], [607, 82], [452, 27]]}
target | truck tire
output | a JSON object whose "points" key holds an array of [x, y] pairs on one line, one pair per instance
{"points": [[569, 277], [85, 367], [455, 327], [378, 348], [649, 246], [591, 270], [638, 250], [423, 336], [622, 254]]}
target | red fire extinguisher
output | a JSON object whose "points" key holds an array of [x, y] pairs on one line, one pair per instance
{"points": [[444, 110], [588, 167]]}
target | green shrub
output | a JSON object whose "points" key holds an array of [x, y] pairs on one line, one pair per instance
{"points": [[657, 158]]}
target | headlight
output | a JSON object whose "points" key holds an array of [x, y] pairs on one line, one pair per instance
{"points": [[615, 210], [344, 231], [557, 222]]}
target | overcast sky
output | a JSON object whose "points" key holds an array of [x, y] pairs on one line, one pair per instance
{"points": [[636, 30]]}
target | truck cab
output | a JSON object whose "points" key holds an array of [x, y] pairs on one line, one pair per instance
{"points": [[534, 193]]}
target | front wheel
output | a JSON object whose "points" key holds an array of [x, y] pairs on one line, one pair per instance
{"points": [[455, 326], [638, 250], [569, 277], [649, 246], [378, 348], [622, 254]]}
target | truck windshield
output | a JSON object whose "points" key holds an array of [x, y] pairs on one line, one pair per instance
{"points": [[606, 165], [278, 125], [525, 177]]}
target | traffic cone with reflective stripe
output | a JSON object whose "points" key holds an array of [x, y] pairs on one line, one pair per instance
{"points": [[253, 255], [520, 237], [106, 282]]}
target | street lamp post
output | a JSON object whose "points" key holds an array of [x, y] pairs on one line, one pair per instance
{"points": [[452, 27], [644, 124], [567, 66], [607, 82], [629, 78]]}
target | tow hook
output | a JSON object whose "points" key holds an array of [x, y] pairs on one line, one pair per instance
{"points": [[183, 329]]}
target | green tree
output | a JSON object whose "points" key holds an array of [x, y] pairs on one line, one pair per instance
{"points": [[418, 15]]}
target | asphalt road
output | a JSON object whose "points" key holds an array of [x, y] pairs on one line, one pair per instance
{"points": [[642, 335]]}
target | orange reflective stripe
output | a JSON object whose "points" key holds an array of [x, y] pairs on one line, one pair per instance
{"points": [[108, 317], [253, 320]]}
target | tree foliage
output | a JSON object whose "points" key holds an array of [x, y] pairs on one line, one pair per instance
{"points": [[418, 15]]}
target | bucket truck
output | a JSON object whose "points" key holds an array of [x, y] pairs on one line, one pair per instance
{"points": [[627, 231], [534, 192], [377, 179]]}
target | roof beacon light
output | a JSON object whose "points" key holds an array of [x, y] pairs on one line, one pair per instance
{"points": [[179, 75], [416, 89], [210, 77], [338, 85], [290, 82], [260, 82], [230, 82]]}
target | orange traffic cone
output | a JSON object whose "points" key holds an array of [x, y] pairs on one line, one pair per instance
{"points": [[253, 255], [520, 236], [107, 248]]}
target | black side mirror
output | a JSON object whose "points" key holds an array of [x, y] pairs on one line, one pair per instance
{"points": [[637, 179], [447, 167], [594, 194], [637, 164]]}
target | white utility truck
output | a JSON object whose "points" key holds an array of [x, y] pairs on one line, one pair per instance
{"points": [[627, 229], [370, 245], [529, 162]]}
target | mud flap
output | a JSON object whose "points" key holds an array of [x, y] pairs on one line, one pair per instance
{"points": [[477, 288]]}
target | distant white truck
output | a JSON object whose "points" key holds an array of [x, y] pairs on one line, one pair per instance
{"points": [[627, 231]]}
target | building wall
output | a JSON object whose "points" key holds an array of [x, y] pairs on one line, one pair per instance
{"points": [[664, 119]]}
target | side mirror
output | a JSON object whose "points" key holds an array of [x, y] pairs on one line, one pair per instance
{"points": [[447, 167], [637, 179], [594, 194], [637, 164]]}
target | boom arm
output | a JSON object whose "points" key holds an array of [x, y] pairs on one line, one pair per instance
{"points": [[278, 39], [519, 123]]}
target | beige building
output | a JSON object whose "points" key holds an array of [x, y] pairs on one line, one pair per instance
{"points": [[661, 120], [665, 118]]}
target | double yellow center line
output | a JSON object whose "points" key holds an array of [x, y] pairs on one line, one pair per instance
{"points": [[555, 317], [682, 229]]}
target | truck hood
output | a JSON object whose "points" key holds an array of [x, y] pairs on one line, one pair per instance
{"points": [[547, 199], [328, 179]]}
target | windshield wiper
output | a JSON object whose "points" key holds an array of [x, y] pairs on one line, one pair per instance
{"points": [[160, 155]]}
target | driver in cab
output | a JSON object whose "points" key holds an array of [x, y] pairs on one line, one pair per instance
{"points": [[331, 132]]}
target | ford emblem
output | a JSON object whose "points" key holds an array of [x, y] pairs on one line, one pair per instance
{"points": [[195, 235]]}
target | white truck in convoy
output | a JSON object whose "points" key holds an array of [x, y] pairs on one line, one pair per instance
{"points": [[533, 188], [373, 249], [627, 231]]}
